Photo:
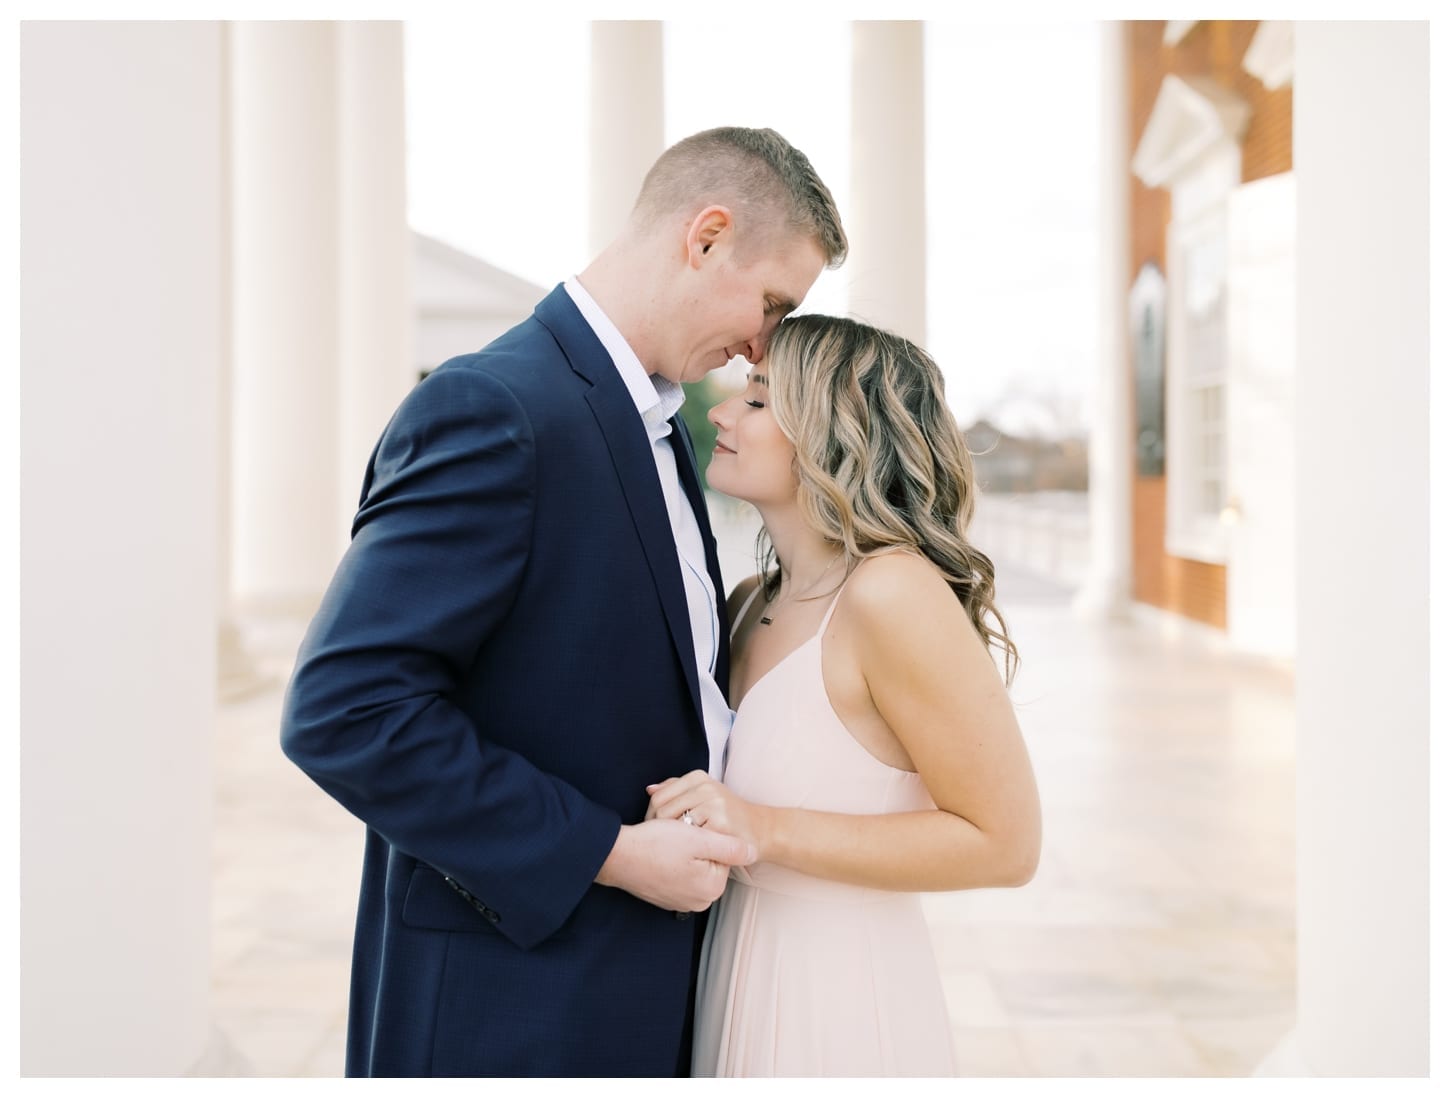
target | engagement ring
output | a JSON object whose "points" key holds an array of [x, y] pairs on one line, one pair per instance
{"points": [[689, 819]]}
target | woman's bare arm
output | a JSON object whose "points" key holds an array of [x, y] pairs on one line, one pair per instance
{"points": [[935, 685]]}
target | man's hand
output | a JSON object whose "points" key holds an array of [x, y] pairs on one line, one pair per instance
{"points": [[673, 865]]}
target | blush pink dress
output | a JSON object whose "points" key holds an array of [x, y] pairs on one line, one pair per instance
{"points": [[802, 976]]}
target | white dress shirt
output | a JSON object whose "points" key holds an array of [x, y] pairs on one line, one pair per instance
{"points": [[657, 399]]}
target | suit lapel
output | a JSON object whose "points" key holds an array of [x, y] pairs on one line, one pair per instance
{"points": [[690, 478], [634, 465]]}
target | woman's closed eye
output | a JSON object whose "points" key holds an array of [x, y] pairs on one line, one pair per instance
{"points": [[755, 404]]}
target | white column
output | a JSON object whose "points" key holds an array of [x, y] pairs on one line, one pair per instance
{"points": [[238, 674], [887, 266], [376, 307], [626, 119], [121, 340], [1105, 593], [286, 438], [1361, 155]]}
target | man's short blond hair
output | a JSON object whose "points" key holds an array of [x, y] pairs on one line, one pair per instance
{"points": [[765, 181]]}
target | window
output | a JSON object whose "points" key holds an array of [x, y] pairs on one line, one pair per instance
{"points": [[1198, 356], [1191, 145]]}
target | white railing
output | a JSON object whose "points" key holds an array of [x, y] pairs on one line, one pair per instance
{"points": [[1041, 532], [1044, 532]]}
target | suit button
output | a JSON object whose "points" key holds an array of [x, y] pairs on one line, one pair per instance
{"points": [[488, 913], [682, 915]]}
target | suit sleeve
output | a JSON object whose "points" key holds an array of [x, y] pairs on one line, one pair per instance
{"points": [[439, 546]]}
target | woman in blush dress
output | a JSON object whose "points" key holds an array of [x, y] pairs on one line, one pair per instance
{"points": [[875, 754]]}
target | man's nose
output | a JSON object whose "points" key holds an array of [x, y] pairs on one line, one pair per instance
{"points": [[753, 349], [761, 341]]}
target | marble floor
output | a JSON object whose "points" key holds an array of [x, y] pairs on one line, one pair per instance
{"points": [[1156, 940]]}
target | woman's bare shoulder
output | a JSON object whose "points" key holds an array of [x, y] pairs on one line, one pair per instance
{"points": [[894, 586]]}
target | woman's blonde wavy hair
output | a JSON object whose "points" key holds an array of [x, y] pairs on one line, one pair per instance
{"points": [[882, 465]]}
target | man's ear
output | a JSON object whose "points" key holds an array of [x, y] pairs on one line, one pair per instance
{"points": [[712, 229]]}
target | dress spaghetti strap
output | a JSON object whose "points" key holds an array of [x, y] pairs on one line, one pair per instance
{"points": [[831, 610], [739, 617]]}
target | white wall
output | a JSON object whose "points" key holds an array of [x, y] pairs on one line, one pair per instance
{"points": [[121, 294], [1361, 155]]}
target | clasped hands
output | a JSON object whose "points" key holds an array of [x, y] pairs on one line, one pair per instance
{"points": [[678, 867], [708, 803]]}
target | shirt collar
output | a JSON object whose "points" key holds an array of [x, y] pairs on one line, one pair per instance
{"points": [[655, 398]]}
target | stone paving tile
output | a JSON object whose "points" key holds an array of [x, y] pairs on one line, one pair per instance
{"points": [[989, 1052], [1153, 1050], [275, 1040], [972, 1000], [1226, 1046], [327, 1060], [1068, 995], [1056, 949]]}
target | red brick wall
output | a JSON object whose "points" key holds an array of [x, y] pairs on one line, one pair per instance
{"points": [[1213, 48], [1188, 587]]}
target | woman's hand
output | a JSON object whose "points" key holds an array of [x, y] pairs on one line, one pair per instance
{"points": [[709, 804]]}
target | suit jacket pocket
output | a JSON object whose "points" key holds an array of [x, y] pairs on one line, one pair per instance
{"points": [[432, 904]]}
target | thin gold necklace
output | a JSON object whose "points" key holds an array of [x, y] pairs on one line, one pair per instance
{"points": [[765, 619]]}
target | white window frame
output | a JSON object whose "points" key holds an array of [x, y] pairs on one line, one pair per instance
{"points": [[1197, 263]]}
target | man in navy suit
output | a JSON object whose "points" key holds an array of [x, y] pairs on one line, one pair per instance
{"points": [[527, 629]]}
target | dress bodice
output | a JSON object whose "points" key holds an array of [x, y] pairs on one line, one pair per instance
{"points": [[789, 749]]}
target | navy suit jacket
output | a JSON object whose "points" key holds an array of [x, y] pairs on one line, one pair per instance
{"points": [[501, 664]]}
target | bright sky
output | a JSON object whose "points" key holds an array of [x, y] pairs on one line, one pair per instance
{"points": [[498, 166]]}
